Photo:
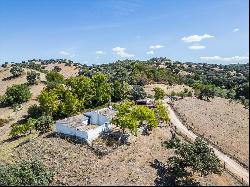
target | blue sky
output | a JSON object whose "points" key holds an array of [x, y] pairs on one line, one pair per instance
{"points": [[102, 31]]}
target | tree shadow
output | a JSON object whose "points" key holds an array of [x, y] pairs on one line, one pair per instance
{"points": [[166, 177]]}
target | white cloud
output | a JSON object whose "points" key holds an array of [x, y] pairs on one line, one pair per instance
{"points": [[64, 53], [226, 59], [100, 52], [197, 47], [121, 52], [156, 46], [150, 52], [196, 38], [236, 30]]}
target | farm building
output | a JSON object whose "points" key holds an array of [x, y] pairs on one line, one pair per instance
{"points": [[87, 126]]}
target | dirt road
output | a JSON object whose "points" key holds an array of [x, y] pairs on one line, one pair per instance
{"points": [[230, 164]]}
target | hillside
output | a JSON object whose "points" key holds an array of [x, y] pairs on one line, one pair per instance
{"points": [[224, 123], [67, 94]]}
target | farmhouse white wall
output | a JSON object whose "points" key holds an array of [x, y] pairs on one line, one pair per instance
{"points": [[97, 119], [62, 128], [89, 135], [94, 133]]}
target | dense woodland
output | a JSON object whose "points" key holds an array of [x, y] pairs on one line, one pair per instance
{"points": [[228, 81]]}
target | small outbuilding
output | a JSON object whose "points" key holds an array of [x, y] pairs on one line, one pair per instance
{"points": [[87, 126]]}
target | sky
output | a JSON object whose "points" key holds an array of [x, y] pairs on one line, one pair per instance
{"points": [[103, 31]]}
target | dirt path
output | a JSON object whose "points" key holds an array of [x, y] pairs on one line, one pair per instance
{"points": [[230, 164]]}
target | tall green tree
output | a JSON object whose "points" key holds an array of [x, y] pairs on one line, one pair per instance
{"points": [[48, 101], [120, 90], [83, 88], [102, 89], [53, 78], [137, 92], [198, 157]]}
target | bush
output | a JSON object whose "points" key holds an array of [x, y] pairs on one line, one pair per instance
{"points": [[32, 173], [20, 129], [54, 78], [159, 93], [16, 71], [32, 77], [48, 101], [17, 93], [34, 111], [44, 124], [137, 92], [16, 107], [4, 65], [57, 69]]}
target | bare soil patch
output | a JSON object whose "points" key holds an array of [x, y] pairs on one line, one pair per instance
{"points": [[224, 123]]}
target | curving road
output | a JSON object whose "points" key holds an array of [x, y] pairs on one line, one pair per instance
{"points": [[236, 169]]}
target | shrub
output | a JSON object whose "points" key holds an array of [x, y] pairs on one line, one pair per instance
{"points": [[18, 93], [16, 107], [173, 93], [53, 78], [4, 65], [48, 101], [16, 71], [137, 92], [44, 124], [32, 173], [57, 69], [189, 94], [159, 93], [188, 159], [32, 77], [34, 111], [20, 129]]}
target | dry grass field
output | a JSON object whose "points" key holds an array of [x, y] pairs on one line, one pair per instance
{"points": [[224, 123], [167, 88], [67, 71], [77, 164]]}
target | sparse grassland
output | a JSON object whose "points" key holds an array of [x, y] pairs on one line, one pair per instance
{"points": [[224, 123]]}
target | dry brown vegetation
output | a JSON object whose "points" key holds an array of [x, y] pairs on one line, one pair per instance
{"points": [[224, 123], [7, 112], [167, 88], [67, 71], [77, 164]]}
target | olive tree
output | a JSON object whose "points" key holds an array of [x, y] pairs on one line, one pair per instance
{"points": [[32, 77], [16, 71], [198, 157], [17, 94]]}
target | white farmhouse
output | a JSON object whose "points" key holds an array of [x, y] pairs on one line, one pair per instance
{"points": [[88, 125]]}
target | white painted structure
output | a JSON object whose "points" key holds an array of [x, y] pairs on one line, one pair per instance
{"points": [[87, 126]]}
